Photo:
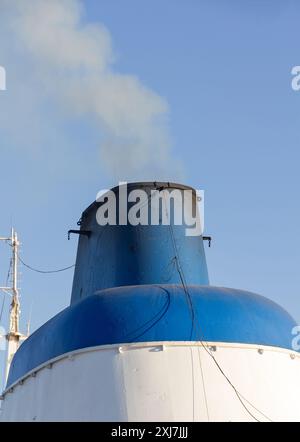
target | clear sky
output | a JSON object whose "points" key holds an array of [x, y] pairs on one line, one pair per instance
{"points": [[224, 69]]}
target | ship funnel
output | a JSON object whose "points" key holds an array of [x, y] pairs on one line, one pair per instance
{"points": [[137, 234]]}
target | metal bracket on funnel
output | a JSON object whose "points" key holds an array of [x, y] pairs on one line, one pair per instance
{"points": [[80, 232], [207, 238]]}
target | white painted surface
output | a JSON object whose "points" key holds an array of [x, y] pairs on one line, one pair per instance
{"points": [[174, 381]]}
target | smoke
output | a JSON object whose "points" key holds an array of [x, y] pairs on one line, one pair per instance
{"points": [[71, 65]]}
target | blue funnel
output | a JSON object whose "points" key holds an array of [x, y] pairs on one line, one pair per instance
{"points": [[127, 255]]}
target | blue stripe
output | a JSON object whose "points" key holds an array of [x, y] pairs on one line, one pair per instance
{"points": [[156, 313]]}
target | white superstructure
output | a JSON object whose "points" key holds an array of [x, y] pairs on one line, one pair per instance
{"points": [[167, 381]]}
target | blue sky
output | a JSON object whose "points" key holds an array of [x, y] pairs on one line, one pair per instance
{"points": [[224, 68]]}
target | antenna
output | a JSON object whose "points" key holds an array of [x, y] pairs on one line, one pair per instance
{"points": [[13, 337]]}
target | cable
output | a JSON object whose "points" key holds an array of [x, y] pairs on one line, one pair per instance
{"points": [[182, 278], [44, 271], [240, 397], [238, 394], [41, 271], [164, 310]]}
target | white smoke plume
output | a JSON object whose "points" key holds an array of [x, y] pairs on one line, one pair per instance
{"points": [[72, 65]]}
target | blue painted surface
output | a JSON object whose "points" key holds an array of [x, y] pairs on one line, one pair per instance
{"points": [[156, 313], [115, 256]]}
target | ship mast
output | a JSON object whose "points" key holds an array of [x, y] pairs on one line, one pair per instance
{"points": [[13, 337]]}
